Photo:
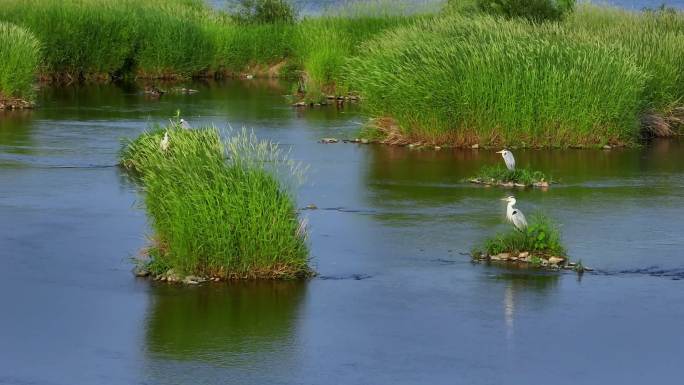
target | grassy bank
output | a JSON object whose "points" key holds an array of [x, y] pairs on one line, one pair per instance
{"points": [[218, 209], [20, 59], [459, 77], [465, 79]]}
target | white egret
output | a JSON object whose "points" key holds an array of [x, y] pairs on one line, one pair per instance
{"points": [[184, 124], [514, 215], [164, 144], [508, 158]]}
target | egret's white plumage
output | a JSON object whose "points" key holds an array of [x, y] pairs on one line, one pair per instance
{"points": [[514, 215], [164, 144], [508, 158], [184, 124]]}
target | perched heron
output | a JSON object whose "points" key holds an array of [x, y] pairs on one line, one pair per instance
{"points": [[164, 144], [508, 158], [184, 124], [514, 215]]}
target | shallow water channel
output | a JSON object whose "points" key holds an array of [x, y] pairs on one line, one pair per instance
{"points": [[397, 300]]}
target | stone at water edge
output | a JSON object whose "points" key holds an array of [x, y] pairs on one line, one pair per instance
{"points": [[141, 271], [556, 260], [501, 257]]}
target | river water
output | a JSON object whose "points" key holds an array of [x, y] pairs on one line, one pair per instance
{"points": [[397, 301]]}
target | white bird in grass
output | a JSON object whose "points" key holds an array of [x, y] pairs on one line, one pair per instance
{"points": [[184, 124], [514, 215], [508, 158], [164, 144]]}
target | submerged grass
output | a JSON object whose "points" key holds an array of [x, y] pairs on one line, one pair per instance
{"points": [[219, 208], [541, 239], [20, 58], [501, 175]]}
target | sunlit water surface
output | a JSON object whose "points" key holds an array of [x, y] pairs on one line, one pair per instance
{"points": [[397, 300]]}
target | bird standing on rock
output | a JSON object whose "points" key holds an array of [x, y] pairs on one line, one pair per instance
{"points": [[508, 158], [514, 215]]}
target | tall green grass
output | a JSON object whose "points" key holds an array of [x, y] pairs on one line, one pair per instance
{"points": [[467, 80], [19, 62], [148, 38], [324, 44], [219, 208], [541, 239], [653, 39]]}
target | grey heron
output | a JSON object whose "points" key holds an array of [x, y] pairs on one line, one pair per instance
{"points": [[184, 124], [508, 158], [164, 144], [514, 215]]}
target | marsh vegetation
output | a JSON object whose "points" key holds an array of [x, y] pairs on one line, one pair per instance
{"points": [[219, 208], [539, 244], [531, 74], [521, 177]]}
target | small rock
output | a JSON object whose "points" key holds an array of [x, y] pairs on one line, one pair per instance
{"points": [[171, 276], [191, 280], [329, 140], [607, 147], [141, 271], [475, 146], [556, 260]]}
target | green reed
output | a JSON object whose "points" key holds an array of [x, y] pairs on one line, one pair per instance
{"points": [[219, 208], [541, 239], [20, 59], [466, 80]]}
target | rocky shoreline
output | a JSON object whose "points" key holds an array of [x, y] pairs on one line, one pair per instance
{"points": [[14, 104], [540, 184], [527, 259]]}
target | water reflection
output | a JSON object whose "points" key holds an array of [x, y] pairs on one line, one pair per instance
{"points": [[518, 286], [15, 133], [224, 325]]}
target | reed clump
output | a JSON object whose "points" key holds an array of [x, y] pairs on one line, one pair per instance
{"points": [[500, 175], [539, 244], [492, 81], [20, 59], [220, 209]]}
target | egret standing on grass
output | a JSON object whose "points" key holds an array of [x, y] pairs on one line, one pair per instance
{"points": [[164, 144], [514, 215], [184, 124], [508, 158]]}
